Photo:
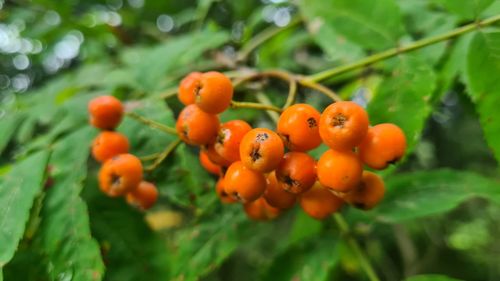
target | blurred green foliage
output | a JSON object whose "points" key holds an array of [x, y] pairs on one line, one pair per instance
{"points": [[441, 213]]}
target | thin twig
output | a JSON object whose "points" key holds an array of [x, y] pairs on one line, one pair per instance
{"points": [[400, 50], [254, 105], [320, 88], [262, 98], [149, 157], [292, 93], [152, 123], [163, 155]]}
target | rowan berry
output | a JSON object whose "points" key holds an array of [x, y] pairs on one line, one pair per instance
{"points": [[368, 193], [339, 170], [215, 157], [276, 196], [244, 184], [229, 139], [297, 172], [318, 202], [187, 88], [207, 164], [108, 144], [144, 196], [106, 112], [197, 127], [261, 150], [214, 92], [298, 126], [120, 174], [260, 210], [383, 145], [343, 125], [221, 192]]}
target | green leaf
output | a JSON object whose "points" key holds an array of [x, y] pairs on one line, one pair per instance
{"points": [[309, 260], [431, 277], [404, 98], [8, 126], [483, 68], [64, 234], [370, 24], [467, 9], [420, 194], [17, 193]]}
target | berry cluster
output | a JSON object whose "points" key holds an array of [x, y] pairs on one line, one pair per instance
{"points": [[121, 173], [269, 171]]}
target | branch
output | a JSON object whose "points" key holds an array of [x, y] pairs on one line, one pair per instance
{"points": [[152, 123], [254, 105], [400, 50], [163, 155]]}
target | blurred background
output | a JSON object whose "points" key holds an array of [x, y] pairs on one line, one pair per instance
{"points": [[442, 212]]}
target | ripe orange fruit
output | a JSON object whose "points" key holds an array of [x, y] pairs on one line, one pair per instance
{"points": [[298, 126], [339, 170], [383, 145], [221, 193], [318, 202], [276, 196], [214, 93], [197, 127], [297, 172], [261, 150], [108, 144], [144, 196], [188, 87], [260, 210], [210, 166], [106, 112], [368, 193], [343, 125], [229, 139], [244, 184], [120, 174]]}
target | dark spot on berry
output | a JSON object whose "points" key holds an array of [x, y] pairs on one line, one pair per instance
{"points": [[115, 180], [339, 121], [285, 139], [311, 122], [220, 137], [261, 137], [237, 196], [255, 154]]}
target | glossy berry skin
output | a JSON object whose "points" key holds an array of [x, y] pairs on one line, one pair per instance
{"points": [[297, 172], [221, 192], [108, 144], [244, 184], [144, 196], [368, 193], [207, 164], [229, 139], [383, 145], [276, 196], [343, 125], [261, 150], [120, 175], [215, 157], [260, 210], [298, 126], [106, 112], [214, 93], [319, 203], [187, 88], [196, 127], [339, 170]]}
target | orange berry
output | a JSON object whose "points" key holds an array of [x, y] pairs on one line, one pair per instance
{"points": [[319, 203], [144, 196], [221, 193], [260, 210], [298, 126], [120, 174], [206, 163], [297, 172], [106, 112], [383, 145], [276, 196], [343, 125], [339, 170], [187, 88], [368, 193], [244, 184], [197, 127], [229, 138], [215, 157], [108, 144], [214, 92], [261, 150]]}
